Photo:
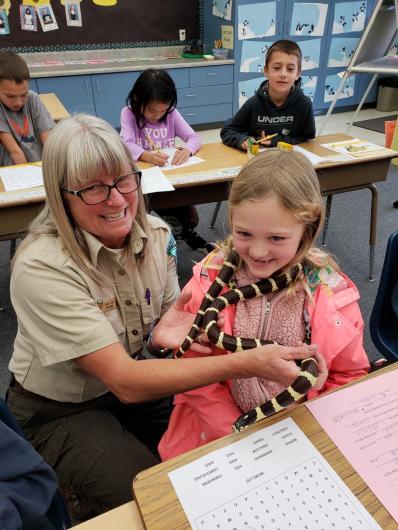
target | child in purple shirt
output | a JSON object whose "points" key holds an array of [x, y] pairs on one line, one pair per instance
{"points": [[151, 122]]}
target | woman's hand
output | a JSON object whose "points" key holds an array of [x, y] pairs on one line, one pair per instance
{"points": [[181, 156], [276, 363], [175, 325]]}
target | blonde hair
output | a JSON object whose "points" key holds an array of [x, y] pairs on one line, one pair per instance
{"points": [[76, 151], [289, 177]]}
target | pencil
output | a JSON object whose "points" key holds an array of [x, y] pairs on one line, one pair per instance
{"points": [[151, 143], [266, 138]]}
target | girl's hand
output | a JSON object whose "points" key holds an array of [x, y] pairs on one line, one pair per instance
{"points": [[154, 157], [175, 325], [181, 156]]}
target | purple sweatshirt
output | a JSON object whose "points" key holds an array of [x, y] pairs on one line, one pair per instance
{"points": [[161, 133]]}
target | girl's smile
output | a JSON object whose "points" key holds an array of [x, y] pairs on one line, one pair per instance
{"points": [[265, 235]]}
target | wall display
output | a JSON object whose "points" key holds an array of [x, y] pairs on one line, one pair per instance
{"points": [[47, 18], [311, 51], [28, 18], [341, 50], [73, 13], [256, 20], [227, 36], [349, 16], [308, 84], [253, 55], [332, 83], [308, 19], [222, 9], [248, 88], [4, 26], [125, 24]]}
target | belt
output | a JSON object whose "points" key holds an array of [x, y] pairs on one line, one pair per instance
{"points": [[23, 392]]}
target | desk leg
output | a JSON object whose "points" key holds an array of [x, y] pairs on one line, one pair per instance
{"points": [[328, 207], [373, 227]]}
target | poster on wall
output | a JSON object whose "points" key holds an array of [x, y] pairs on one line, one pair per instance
{"points": [[73, 13], [248, 88], [310, 51], [253, 55], [4, 25], [256, 20], [46, 17], [308, 19], [28, 18], [222, 9], [308, 85], [341, 50], [348, 17], [332, 83]]}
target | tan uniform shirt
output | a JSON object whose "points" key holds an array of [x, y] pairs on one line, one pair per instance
{"points": [[63, 314]]}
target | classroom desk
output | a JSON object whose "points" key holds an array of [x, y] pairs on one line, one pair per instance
{"points": [[54, 106], [209, 182], [161, 509], [125, 517]]}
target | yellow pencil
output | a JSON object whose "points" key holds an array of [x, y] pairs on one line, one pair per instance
{"points": [[265, 138], [151, 143]]}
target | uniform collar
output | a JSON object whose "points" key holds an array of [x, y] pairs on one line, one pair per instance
{"points": [[137, 242]]}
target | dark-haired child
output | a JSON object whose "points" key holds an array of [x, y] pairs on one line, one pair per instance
{"points": [[24, 120], [278, 108], [150, 122]]}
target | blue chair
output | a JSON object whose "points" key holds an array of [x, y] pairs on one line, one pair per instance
{"points": [[57, 516], [384, 321]]}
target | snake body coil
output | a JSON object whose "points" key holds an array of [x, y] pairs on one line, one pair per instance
{"points": [[206, 320]]}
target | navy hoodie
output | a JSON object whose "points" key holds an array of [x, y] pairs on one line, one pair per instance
{"points": [[293, 121]]}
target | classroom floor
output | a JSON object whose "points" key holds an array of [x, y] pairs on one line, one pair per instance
{"points": [[348, 236]]}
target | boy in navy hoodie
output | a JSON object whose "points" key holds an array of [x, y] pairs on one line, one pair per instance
{"points": [[278, 108]]}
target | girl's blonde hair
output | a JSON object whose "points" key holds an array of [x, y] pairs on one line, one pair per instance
{"points": [[77, 150], [290, 177]]}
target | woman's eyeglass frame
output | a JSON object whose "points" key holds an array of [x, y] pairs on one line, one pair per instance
{"points": [[138, 176]]}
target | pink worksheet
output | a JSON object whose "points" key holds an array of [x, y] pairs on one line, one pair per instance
{"points": [[362, 420]]}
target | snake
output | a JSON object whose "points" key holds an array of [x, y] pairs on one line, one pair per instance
{"points": [[206, 321]]}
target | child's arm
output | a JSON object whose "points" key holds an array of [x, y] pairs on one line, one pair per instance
{"points": [[184, 131], [44, 136], [129, 135], [10, 145], [235, 132]]}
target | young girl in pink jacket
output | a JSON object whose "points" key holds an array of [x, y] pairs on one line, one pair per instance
{"points": [[275, 215]]}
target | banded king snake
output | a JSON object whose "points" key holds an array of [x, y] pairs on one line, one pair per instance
{"points": [[206, 321]]}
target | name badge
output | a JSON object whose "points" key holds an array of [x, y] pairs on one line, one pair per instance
{"points": [[107, 305]]}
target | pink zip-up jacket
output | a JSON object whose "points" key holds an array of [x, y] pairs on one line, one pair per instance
{"points": [[205, 414]]}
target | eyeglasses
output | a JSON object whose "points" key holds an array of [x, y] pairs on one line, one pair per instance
{"points": [[101, 192]]}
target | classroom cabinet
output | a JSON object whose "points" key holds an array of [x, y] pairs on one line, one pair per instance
{"points": [[204, 94], [75, 92]]}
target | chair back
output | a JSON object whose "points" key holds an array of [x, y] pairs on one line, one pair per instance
{"points": [[57, 516], [383, 321]]}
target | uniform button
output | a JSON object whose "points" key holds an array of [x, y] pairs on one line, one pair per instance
{"points": [[135, 332], [121, 272], [128, 302]]}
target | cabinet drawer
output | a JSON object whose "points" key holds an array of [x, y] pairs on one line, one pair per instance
{"points": [[180, 76], [211, 75], [204, 95], [207, 114]]}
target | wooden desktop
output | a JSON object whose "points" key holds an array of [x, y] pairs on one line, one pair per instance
{"points": [[161, 509]]}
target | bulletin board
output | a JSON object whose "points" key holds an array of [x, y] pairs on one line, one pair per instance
{"points": [[127, 23]]}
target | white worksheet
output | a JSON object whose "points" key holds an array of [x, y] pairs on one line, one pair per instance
{"points": [[272, 479], [154, 180], [21, 177], [170, 151]]}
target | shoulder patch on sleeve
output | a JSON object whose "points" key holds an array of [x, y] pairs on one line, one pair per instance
{"points": [[332, 280]]}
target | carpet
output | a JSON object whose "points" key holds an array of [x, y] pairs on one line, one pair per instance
{"points": [[377, 124]]}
